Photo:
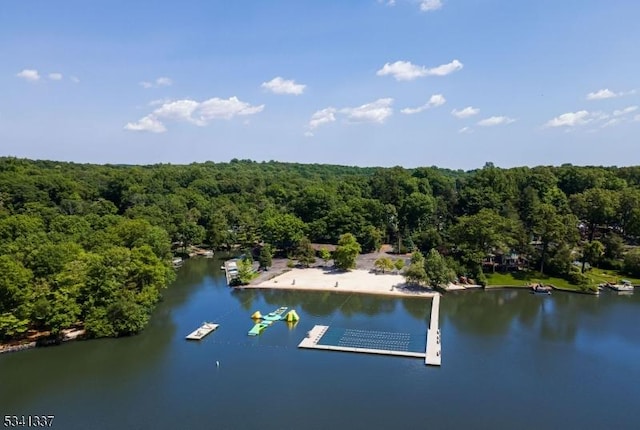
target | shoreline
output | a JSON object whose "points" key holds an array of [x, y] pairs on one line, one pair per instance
{"points": [[356, 281]]}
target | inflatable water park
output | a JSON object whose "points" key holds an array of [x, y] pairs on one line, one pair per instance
{"points": [[262, 322]]}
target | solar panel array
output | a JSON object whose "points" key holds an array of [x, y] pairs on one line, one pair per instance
{"points": [[368, 339]]}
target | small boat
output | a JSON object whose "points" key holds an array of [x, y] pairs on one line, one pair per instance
{"points": [[202, 331], [541, 289], [624, 285], [177, 262]]}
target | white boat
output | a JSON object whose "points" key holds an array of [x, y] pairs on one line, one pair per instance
{"points": [[623, 286], [202, 331], [177, 262]]}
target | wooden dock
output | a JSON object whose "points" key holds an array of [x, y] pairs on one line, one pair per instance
{"points": [[432, 353], [229, 267], [315, 334]]}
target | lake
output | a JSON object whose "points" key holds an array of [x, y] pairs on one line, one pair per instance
{"points": [[510, 359]]}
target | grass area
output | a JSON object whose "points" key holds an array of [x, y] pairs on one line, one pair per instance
{"points": [[525, 278], [600, 276]]}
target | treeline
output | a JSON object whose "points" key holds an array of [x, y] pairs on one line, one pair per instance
{"points": [[91, 244]]}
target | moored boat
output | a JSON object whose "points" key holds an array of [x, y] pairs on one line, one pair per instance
{"points": [[541, 289], [624, 285]]}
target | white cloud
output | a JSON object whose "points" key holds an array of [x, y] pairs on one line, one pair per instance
{"points": [[429, 5], [612, 122], [194, 112], [216, 108], [625, 111], [406, 71], [602, 94], [148, 123], [377, 111], [465, 130], [55, 76], [179, 110], [570, 119], [74, 79], [30, 75], [466, 112], [636, 118], [388, 2], [446, 69], [435, 101], [495, 120], [323, 116], [279, 85], [162, 81], [402, 71]]}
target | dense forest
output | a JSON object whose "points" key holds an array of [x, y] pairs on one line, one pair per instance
{"points": [[90, 245]]}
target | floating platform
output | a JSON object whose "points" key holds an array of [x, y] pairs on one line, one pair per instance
{"points": [[202, 331], [265, 321], [259, 328], [363, 341], [432, 353], [276, 315]]}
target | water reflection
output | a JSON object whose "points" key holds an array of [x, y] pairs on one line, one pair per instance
{"points": [[558, 317]]}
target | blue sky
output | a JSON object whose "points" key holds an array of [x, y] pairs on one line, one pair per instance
{"points": [[452, 83]]}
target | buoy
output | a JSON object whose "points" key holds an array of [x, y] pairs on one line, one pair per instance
{"points": [[256, 315], [217, 363]]}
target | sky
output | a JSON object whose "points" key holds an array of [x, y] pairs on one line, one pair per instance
{"points": [[448, 83]]}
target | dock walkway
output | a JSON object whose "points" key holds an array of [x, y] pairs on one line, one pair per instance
{"points": [[432, 353]]}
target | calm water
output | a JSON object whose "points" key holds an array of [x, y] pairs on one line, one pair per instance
{"points": [[510, 360]]}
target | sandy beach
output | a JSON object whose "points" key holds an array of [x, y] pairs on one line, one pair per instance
{"points": [[354, 281]]}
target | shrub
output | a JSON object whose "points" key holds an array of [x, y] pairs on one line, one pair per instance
{"points": [[632, 263]]}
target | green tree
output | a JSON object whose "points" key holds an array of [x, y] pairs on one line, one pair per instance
{"points": [[371, 239], [417, 258], [284, 231], [325, 254], [597, 207], [398, 264], [552, 229], [347, 252], [245, 271], [632, 263], [438, 273], [264, 259], [416, 275], [383, 264], [591, 253], [304, 252], [478, 235]]}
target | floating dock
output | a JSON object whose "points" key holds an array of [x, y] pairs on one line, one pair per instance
{"points": [[202, 331], [363, 341], [432, 353], [230, 270]]}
